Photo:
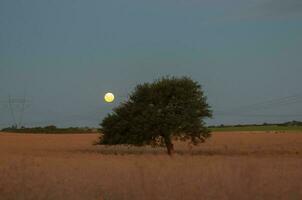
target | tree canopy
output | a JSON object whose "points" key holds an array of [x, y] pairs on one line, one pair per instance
{"points": [[156, 113]]}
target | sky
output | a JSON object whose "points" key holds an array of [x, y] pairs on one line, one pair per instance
{"points": [[61, 56]]}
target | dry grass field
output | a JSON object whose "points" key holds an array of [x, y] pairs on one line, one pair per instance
{"points": [[239, 165]]}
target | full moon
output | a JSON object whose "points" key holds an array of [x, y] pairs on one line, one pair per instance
{"points": [[109, 97]]}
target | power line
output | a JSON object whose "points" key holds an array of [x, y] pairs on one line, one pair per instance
{"points": [[289, 100], [16, 108], [10, 103]]}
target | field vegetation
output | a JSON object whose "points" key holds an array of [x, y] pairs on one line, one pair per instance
{"points": [[49, 129], [287, 126], [232, 165]]}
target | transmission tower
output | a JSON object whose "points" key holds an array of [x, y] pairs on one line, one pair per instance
{"points": [[17, 107]]}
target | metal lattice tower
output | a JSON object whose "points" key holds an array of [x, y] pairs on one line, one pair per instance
{"points": [[17, 107]]}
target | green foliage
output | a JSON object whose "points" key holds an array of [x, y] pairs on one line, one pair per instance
{"points": [[286, 126], [156, 112], [48, 129], [257, 128]]}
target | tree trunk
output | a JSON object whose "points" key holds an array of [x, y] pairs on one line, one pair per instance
{"points": [[170, 146]]}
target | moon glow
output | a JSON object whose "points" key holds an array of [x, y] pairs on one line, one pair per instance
{"points": [[109, 97]]}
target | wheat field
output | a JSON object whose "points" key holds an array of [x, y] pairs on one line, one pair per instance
{"points": [[230, 165]]}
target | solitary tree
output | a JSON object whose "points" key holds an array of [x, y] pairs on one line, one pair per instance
{"points": [[169, 108]]}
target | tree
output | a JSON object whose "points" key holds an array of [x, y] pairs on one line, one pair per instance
{"points": [[169, 108]]}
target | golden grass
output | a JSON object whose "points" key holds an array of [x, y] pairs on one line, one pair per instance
{"points": [[246, 165]]}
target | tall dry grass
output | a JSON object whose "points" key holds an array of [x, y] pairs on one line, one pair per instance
{"points": [[228, 166]]}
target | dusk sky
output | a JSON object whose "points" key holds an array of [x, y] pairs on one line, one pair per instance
{"points": [[63, 55]]}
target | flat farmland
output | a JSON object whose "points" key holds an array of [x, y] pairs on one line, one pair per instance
{"points": [[230, 165]]}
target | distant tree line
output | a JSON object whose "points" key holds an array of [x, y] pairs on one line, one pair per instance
{"points": [[49, 129], [286, 124]]}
